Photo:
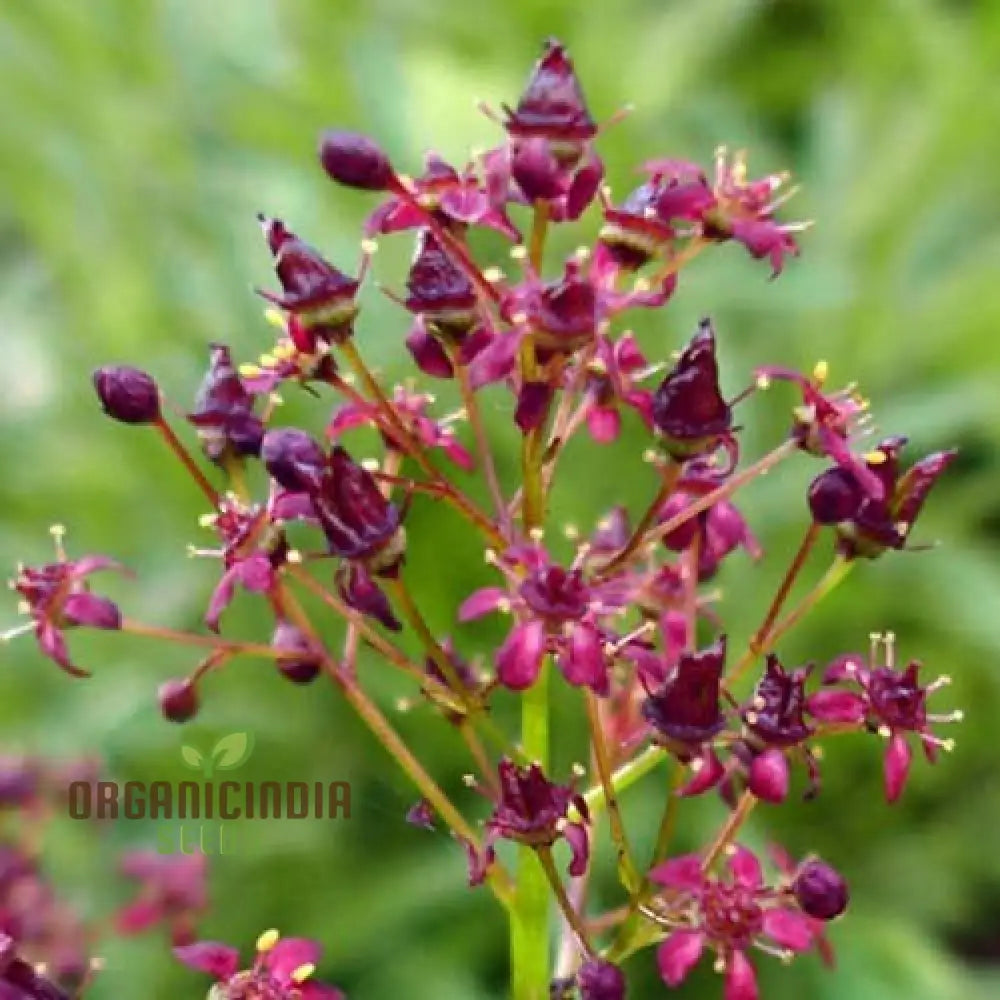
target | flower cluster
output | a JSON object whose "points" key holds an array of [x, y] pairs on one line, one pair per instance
{"points": [[623, 620]]}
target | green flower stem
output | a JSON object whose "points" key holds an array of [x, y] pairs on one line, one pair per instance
{"points": [[529, 918], [621, 779]]}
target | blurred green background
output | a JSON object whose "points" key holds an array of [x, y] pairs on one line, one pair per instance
{"points": [[138, 140]]}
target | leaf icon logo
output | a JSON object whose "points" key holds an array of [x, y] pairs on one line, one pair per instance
{"points": [[232, 751], [192, 757]]}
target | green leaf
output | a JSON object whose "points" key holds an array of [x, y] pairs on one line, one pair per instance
{"points": [[192, 756], [232, 750]]}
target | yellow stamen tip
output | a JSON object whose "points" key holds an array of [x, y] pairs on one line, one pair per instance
{"points": [[268, 940], [57, 530], [275, 318], [369, 247], [876, 457], [249, 371], [821, 371], [519, 252], [303, 972]]}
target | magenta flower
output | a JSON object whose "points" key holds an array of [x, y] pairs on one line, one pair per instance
{"points": [[775, 714], [600, 980], [820, 890], [534, 811], [555, 610], [888, 701], [355, 160], [614, 373], [57, 597], [251, 552], [173, 890], [688, 409], [721, 529], [634, 233], [282, 969], [223, 411], [729, 915], [307, 664], [411, 407], [457, 200]]}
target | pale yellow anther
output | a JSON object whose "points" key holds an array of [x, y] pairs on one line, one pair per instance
{"points": [[57, 530], [503, 606], [371, 464], [276, 400], [268, 940], [571, 531], [578, 770], [489, 557], [818, 753], [249, 371], [293, 556], [406, 180], [947, 745], [284, 351], [958, 715], [349, 378], [493, 275], [885, 732], [520, 252], [403, 704], [369, 247], [582, 253], [303, 972], [650, 457], [536, 534], [696, 765], [751, 718], [641, 285], [519, 318], [820, 372], [902, 527], [876, 457], [97, 964], [275, 318], [469, 780], [208, 520], [763, 381], [23, 608]]}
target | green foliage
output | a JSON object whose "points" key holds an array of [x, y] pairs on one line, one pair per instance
{"points": [[137, 141]]}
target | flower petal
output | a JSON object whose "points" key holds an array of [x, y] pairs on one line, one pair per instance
{"points": [[843, 707], [290, 954], [741, 980], [768, 778], [746, 868], [682, 872], [89, 609], [579, 843], [581, 659], [213, 957], [482, 602], [520, 657], [896, 768], [678, 955], [789, 928]]}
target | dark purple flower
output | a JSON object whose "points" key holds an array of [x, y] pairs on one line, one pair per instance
{"points": [[775, 714], [884, 523], [820, 890], [178, 699], [295, 460], [534, 811], [688, 408], [127, 394], [890, 702], [685, 709], [552, 105], [440, 292], [355, 160], [834, 496], [223, 411], [564, 313], [358, 521], [173, 890], [600, 980], [282, 969], [421, 814], [729, 914], [322, 298], [306, 665], [57, 597]]}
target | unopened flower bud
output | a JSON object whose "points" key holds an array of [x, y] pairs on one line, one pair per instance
{"points": [[599, 980], [820, 890], [834, 496], [178, 700], [127, 394], [354, 160], [300, 670], [294, 459]]}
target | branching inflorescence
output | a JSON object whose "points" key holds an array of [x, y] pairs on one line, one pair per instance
{"points": [[625, 619]]}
